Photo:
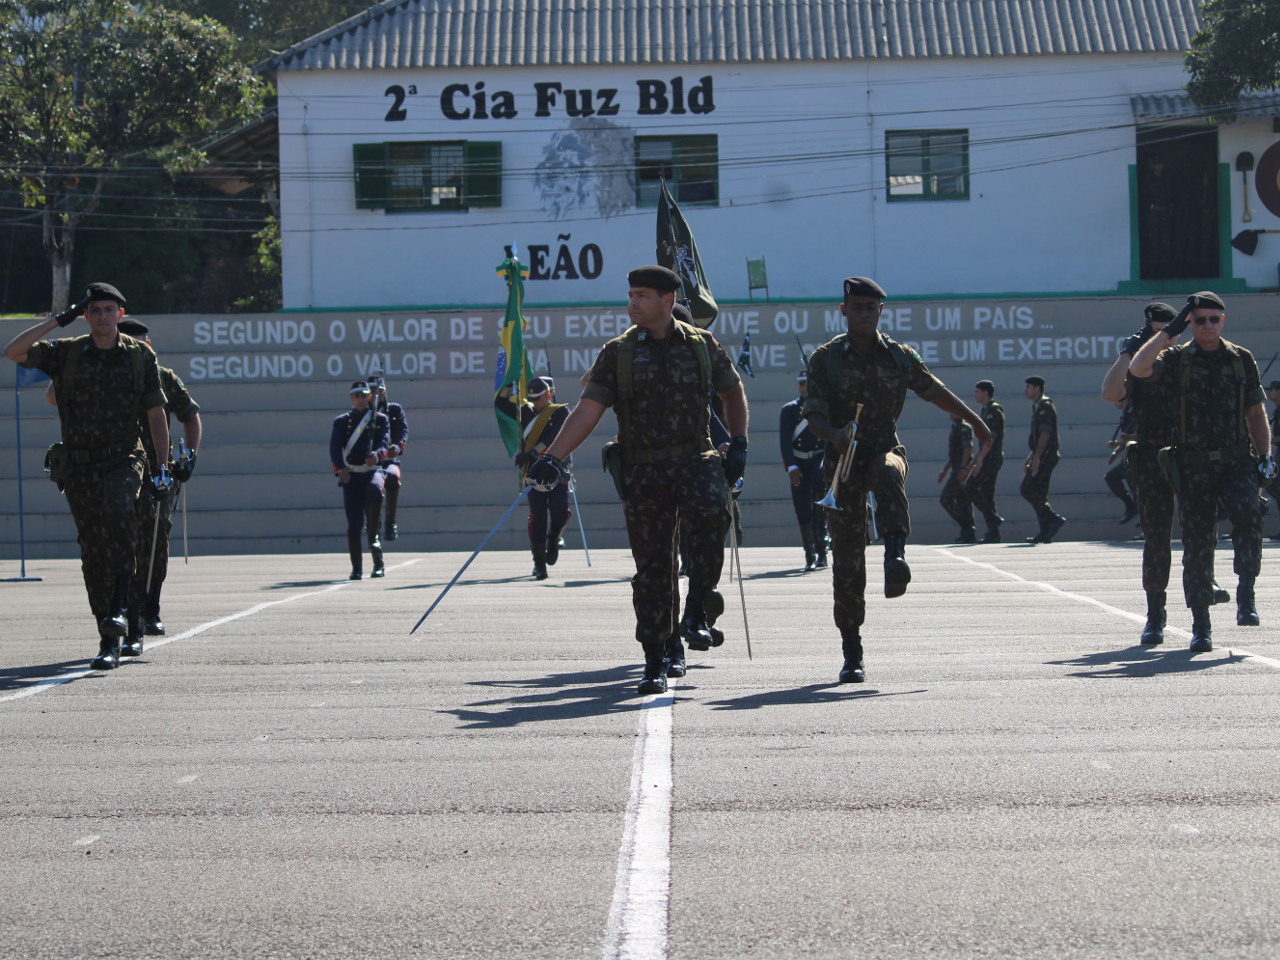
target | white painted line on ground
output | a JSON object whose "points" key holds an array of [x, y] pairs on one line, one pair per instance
{"points": [[1081, 598], [40, 686], [85, 841], [637, 928]]}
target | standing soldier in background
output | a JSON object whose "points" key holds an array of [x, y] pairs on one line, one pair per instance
{"points": [[866, 369], [1222, 451], [390, 464], [540, 421], [953, 499], [1273, 487], [657, 376], [1038, 467], [802, 459], [981, 485], [1118, 478], [357, 444], [104, 382]]}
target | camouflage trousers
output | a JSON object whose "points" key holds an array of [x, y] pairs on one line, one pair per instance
{"points": [[697, 494], [1156, 502], [102, 505], [1235, 483], [1035, 490], [981, 489], [955, 500], [149, 509], [885, 477]]}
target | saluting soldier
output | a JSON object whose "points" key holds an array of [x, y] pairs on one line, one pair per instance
{"points": [[540, 421], [390, 465], [104, 382], [802, 459], [657, 376], [1037, 469], [954, 499], [1222, 451], [357, 444], [864, 368], [981, 485]]}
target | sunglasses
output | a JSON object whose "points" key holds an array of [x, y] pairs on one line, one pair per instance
{"points": [[1201, 321]]}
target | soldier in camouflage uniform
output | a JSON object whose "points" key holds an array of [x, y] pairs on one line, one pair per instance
{"points": [[657, 377], [1044, 456], [981, 485], [954, 500], [865, 368], [1222, 451], [104, 382]]}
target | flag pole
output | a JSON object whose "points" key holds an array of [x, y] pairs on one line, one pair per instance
{"points": [[22, 513]]}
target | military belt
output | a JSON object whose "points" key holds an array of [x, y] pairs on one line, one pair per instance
{"points": [[805, 454], [656, 454], [1195, 458], [93, 456]]}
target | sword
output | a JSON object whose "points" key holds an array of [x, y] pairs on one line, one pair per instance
{"points": [[736, 559], [155, 529], [182, 492], [476, 553], [578, 513]]}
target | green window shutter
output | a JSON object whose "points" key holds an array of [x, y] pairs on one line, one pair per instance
{"points": [[482, 182], [373, 175]]}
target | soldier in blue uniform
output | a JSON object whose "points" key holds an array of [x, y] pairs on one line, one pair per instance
{"points": [[540, 421], [391, 462], [802, 459], [357, 444]]}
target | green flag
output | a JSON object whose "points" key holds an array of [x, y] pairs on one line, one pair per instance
{"points": [[513, 363], [678, 252]]}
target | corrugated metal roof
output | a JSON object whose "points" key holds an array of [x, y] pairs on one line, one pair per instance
{"points": [[399, 34], [1151, 108]]}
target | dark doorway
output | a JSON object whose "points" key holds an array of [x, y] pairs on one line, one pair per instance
{"points": [[1178, 201]]}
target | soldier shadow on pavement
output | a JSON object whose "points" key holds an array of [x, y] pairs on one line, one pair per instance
{"points": [[440, 584], [24, 678], [292, 584], [812, 693], [555, 697], [1137, 662]]}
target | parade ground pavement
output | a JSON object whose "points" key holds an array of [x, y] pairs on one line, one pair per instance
{"points": [[289, 773]]}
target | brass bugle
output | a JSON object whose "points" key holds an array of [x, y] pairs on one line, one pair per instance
{"points": [[843, 465]]}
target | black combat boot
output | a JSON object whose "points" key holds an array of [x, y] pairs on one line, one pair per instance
{"points": [[820, 542], [151, 622], [108, 657], [553, 545], [967, 535], [693, 625], [375, 538], [675, 656], [993, 529], [896, 572], [116, 622], [357, 556], [810, 554], [1246, 610], [132, 644], [393, 500], [852, 671], [1153, 632], [1220, 594], [539, 560], [655, 670], [1201, 630]]}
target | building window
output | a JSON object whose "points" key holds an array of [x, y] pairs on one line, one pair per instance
{"points": [[403, 177], [690, 165], [927, 164]]}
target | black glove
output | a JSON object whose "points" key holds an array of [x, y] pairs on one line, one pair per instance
{"points": [[72, 312], [735, 460], [1179, 323], [546, 473], [1131, 344], [181, 469], [525, 457]]}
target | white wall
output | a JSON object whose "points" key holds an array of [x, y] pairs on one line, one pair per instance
{"points": [[801, 178]]}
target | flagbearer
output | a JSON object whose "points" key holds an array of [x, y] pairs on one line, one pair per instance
{"points": [[357, 445], [540, 420]]}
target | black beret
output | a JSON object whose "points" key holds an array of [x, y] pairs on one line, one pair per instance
{"points": [[863, 287], [134, 328], [1159, 312], [986, 385], [1206, 298], [104, 291], [1036, 382], [681, 312], [655, 278]]}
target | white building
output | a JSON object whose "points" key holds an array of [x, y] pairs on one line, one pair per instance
{"points": [[948, 148]]}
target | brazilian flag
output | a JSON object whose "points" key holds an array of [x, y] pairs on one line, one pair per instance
{"points": [[513, 363], [678, 252]]}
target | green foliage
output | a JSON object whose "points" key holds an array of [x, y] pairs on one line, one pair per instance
{"points": [[263, 27], [1237, 50]]}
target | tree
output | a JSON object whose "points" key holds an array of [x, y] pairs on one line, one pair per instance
{"points": [[88, 86], [268, 26], [1236, 50]]}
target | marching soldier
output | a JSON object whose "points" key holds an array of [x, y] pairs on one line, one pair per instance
{"points": [[657, 377], [954, 500], [540, 421], [981, 485], [1222, 450], [802, 459], [357, 444], [865, 369], [1117, 477], [1037, 469], [104, 382], [390, 464], [1273, 487]]}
